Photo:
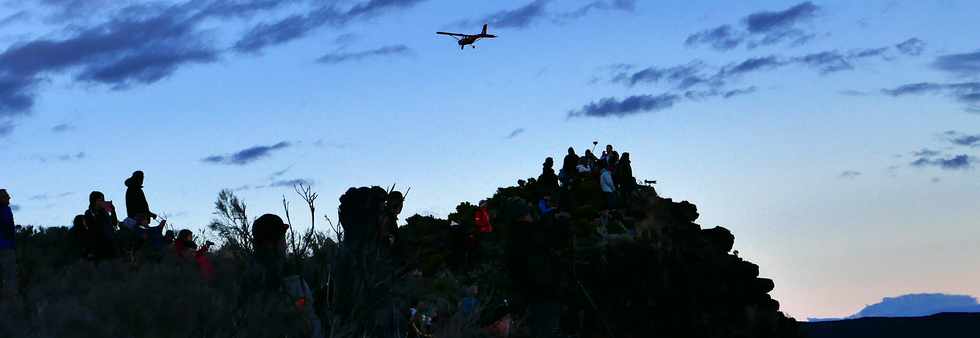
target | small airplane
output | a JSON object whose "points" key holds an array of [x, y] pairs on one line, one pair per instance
{"points": [[465, 39]]}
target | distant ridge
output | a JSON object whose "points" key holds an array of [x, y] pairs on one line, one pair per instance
{"points": [[945, 325]]}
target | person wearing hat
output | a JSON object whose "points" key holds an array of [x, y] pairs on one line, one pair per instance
{"points": [[136, 204], [269, 242]]}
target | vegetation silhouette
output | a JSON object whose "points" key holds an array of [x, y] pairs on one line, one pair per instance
{"points": [[548, 260]]}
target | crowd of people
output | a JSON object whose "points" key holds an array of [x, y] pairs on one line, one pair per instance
{"points": [[99, 236]]}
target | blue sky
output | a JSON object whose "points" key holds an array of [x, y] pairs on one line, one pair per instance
{"points": [[839, 140]]}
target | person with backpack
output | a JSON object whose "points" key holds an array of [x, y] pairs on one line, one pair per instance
{"points": [[8, 258], [135, 198], [269, 242]]}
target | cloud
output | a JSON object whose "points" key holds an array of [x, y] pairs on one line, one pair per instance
{"points": [[515, 133], [959, 139], [141, 43], [298, 26], [935, 180], [925, 152], [711, 93], [278, 174], [62, 128], [852, 92], [683, 76], [849, 174], [760, 29], [70, 157], [826, 62], [963, 65], [14, 18], [291, 183], [765, 22], [246, 156], [338, 57], [14, 207], [919, 305], [913, 47], [967, 93], [723, 37], [519, 18], [958, 162], [613, 107], [620, 5], [138, 45]]}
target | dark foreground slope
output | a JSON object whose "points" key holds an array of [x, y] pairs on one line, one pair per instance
{"points": [[644, 269], [944, 325]]}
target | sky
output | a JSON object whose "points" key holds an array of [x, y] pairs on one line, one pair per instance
{"points": [[838, 140]]}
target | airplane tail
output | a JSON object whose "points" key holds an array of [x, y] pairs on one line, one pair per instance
{"points": [[484, 29]]}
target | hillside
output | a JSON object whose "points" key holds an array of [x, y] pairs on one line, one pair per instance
{"points": [[642, 269], [945, 325]]}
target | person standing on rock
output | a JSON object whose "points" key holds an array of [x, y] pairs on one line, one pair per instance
{"points": [[568, 170], [135, 198], [608, 186]]}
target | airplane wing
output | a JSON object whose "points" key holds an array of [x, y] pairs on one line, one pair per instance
{"points": [[451, 34]]}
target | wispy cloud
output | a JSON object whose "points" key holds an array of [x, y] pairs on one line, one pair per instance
{"points": [[614, 107], [246, 156], [958, 162], [297, 26], [61, 128], [849, 174], [967, 93], [960, 139], [535, 11], [338, 57], [963, 65], [520, 17], [14, 207], [515, 133], [760, 29], [291, 183]]}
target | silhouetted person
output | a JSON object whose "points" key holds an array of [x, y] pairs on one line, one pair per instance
{"points": [[608, 186], [587, 163], [269, 239], [101, 220], [8, 259], [568, 170], [388, 234], [135, 198], [624, 177], [80, 237], [187, 249], [548, 181], [482, 218], [609, 157]]}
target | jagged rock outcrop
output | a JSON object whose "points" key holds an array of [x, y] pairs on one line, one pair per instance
{"points": [[644, 270]]}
